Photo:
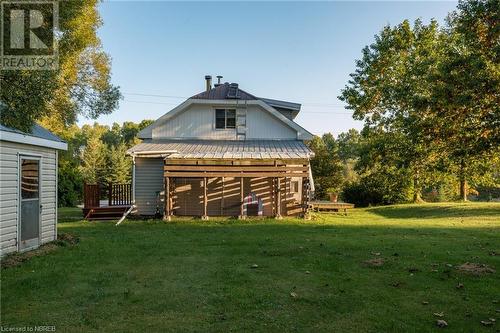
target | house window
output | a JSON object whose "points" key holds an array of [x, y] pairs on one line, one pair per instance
{"points": [[225, 119], [294, 186]]}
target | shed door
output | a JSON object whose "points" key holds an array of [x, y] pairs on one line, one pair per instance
{"points": [[29, 225]]}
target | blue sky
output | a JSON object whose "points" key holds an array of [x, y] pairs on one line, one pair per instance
{"points": [[296, 51]]}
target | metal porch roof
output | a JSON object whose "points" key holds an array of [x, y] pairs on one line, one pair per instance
{"points": [[223, 149]]}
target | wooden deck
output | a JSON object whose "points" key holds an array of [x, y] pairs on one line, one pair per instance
{"points": [[118, 202], [330, 206]]}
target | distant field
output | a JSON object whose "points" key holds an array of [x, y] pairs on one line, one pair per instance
{"points": [[383, 269]]}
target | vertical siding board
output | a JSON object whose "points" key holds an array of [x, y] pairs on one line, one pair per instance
{"points": [[149, 181], [198, 122]]}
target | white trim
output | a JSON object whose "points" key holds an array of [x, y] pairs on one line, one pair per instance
{"points": [[26, 156], [133, 179], [147, 133], [57, 195], [32, 140]]}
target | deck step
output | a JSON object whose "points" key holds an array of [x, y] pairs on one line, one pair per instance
{"points": [[105, 213]]}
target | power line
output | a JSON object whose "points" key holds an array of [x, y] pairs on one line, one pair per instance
{"points": [[313, 104], [302, 112]]}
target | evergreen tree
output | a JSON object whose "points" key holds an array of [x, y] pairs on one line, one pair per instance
{"points": [[93, 167], [119, 165]]}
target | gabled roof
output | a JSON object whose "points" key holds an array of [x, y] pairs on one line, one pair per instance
{"points": [[38, 136], [225, 149]]}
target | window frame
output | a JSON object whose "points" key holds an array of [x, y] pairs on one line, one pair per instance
{"points": [[226, 128]]}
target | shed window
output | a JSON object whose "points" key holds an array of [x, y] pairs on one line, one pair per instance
{"points": [[294, 187], [225, 118]]}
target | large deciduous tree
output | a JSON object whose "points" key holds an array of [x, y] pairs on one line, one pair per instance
{"points": [[80, 86], [466, 88], [388, 92]]}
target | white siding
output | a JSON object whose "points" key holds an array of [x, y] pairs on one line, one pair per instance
{"points": [[148, 181], [9, 193], [263, 125], [198, 122]]}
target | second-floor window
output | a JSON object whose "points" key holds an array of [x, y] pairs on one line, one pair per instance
{"points": [[225, 118]]}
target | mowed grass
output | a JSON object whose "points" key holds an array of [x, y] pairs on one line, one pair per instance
{"points": [[198, 276]]}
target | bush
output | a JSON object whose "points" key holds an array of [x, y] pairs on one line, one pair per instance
{"points": [[378, 189], [70, 187]]}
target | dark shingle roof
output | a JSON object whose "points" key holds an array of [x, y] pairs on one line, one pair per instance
{"points": [[221, 92], [36, 131]]}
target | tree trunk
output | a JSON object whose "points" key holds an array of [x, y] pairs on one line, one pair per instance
{"points": [[417, 190], [463, 181]]}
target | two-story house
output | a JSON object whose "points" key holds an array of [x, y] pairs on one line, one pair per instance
{"points": [[223, 152]]}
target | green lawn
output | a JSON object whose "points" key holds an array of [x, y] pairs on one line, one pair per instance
{"points": [[197, 276]]}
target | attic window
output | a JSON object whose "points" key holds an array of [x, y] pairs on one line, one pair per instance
{"points": [[225, 119]]}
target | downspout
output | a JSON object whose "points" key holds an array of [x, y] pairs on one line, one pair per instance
{"points": [[311, 180], [133, 179]]}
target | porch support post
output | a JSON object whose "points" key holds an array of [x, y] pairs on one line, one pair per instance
{"points": [[222, 199], [241, 199], [110, 193], [167, 214], [205, 201], [278, 198]]}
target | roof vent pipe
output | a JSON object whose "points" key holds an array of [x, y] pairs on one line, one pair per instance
{"points": [[218, 81], [208, 79]]}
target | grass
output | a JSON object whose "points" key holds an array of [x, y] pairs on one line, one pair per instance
{"points": [[197, 276]]}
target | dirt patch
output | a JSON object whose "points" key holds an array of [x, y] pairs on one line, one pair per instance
{"points": [[16, 259], [475, 269], [375, 262], [65, 239]]}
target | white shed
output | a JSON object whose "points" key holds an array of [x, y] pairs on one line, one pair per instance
{"points": [[28, 188]]}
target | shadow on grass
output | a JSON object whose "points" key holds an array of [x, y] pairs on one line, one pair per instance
{"points": [[430, 211]]}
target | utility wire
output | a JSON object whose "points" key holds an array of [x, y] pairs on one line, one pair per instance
{"points": [[314, 104], [162, 103]]}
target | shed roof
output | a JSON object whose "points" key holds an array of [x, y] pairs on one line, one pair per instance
{"points": [[38, 136], [224, 149]]}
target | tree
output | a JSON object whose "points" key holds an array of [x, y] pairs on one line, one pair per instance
{"points": [[326, 165], [80, 86], [387, 92], [119, 165], [465, 97], [93, 167]]}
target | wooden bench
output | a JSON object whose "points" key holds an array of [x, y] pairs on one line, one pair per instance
{"points": [[330, 206]]}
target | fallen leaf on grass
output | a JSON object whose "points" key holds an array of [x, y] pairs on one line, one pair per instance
{"points": [[441, 323], [475, 269], [254, 266], [294, 295], [375, 262], [375, 253], [486, 322], [439, 314], [425, 303], [459, 286]]}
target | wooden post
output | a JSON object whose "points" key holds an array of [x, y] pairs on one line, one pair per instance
{"points": [[205, 201], [222, 199], [278, 199], [166, 202], [241, 199], [110, 193]]}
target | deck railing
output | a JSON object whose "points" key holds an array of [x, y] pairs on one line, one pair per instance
{"points": [[117, 195]]}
